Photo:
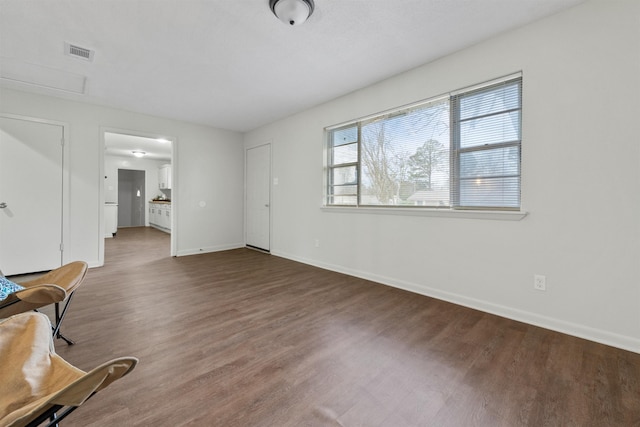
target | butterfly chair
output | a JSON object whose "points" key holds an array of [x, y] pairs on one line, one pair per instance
{"points": [[53, 287], [38, 385]]}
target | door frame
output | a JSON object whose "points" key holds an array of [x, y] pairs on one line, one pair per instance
{"points": [[64, 226], [175, 209], [246, 192]]}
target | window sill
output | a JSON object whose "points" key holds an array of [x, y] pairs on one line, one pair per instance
{"points": [[442, 213]]}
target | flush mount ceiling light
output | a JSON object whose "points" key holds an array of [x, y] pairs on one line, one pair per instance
{"points": [[292, 12], [138, 153]]}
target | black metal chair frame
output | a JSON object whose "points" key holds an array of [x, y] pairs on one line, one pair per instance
{"points": [[59, 317], [52, 416]]}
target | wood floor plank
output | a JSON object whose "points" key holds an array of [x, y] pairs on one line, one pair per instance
{"points": [[242, 338]]}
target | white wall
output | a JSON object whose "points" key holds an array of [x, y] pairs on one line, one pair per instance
{"points": [[580, 183], [113, 163], [208, 163]]}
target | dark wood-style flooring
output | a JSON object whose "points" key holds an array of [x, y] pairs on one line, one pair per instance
{"points": [[242, 338]]}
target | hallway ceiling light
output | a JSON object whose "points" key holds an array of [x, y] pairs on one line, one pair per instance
{"points": [[138, 153], [292, 12]]}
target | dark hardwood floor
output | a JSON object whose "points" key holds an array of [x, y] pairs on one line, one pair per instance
{"points": [[241, 338]]}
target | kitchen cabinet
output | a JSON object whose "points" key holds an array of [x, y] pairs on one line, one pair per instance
{"points": [[160, 216], [164, 177], [165, 217], [153, 214]]}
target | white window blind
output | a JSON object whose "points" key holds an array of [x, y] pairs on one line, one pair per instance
{"points": [[487, 138]]}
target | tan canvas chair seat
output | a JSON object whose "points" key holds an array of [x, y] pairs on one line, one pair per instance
{"points": [[53, 287], [36, 382]]}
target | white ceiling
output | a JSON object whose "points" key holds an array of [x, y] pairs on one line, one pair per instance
{"points": [[230, 63], [117, 144]]}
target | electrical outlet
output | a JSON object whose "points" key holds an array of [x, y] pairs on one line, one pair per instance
{"points": [[317, 243], [539, 282]]}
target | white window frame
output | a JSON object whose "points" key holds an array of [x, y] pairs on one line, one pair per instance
{"points": [[453, 210]]}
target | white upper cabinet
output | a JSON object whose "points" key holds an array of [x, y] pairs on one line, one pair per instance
{"points": [[164, 177]]}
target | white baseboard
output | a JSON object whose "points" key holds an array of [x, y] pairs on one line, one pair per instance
{"points": [[592, 334], [218, 248]]}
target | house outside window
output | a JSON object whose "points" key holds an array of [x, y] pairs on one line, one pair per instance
{"points": [[460, 151]]}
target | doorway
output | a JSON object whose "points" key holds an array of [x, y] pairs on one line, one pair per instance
{"points": [[131, 198], [258, 197], [133, 164]]}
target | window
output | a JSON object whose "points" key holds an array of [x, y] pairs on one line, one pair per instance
{"points": [[486, 140], [461, 151]]}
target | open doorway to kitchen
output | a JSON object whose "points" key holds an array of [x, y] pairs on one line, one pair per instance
{"points": [[138, 188]]}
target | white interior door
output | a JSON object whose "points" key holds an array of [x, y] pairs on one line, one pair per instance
{"points": [[258, 197], [31, 180]]}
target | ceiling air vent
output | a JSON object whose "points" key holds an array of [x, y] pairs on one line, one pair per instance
{"points": [[78, 52]]}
